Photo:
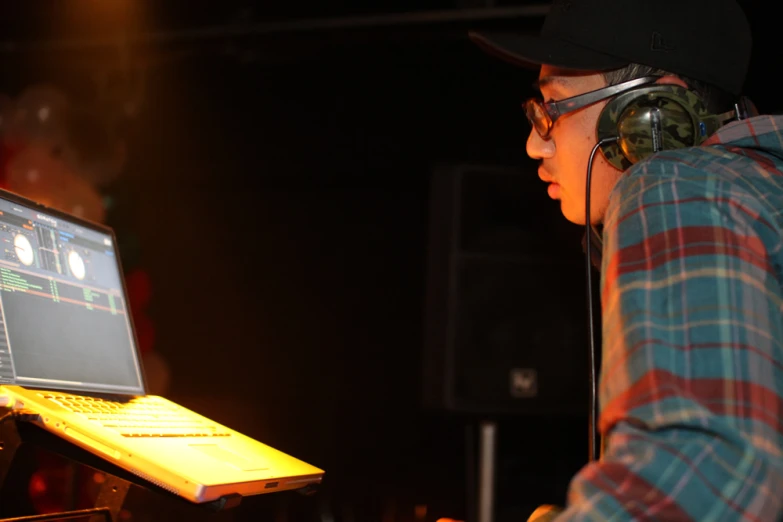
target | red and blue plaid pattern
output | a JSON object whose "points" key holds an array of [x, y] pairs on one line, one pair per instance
{"points": [[691, 386]]}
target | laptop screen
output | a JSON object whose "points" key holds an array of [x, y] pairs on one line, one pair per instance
{"points": [[64, 321]]}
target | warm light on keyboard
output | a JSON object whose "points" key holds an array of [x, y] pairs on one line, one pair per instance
{"points": [[139, 417]]}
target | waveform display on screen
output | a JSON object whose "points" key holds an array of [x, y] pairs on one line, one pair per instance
{"points": [[48, 253]]}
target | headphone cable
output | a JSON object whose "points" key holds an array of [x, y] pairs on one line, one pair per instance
{"points": [[594, 440]]}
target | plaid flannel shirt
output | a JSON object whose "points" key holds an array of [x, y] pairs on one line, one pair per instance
{"points": [[691, 387]]}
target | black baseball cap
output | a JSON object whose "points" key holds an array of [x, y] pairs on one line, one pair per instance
{"points": [[706, 40]]}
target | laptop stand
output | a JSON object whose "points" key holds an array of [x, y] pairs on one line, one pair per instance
{"points": [[16, 430]]}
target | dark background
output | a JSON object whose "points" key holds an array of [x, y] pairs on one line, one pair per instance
{"points": [[277, 191]]}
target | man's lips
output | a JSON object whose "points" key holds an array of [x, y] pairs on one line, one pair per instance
{"points": [[545, 177], [554, 188]]}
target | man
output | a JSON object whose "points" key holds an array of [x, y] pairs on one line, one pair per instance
{"points": [[691, 387]]}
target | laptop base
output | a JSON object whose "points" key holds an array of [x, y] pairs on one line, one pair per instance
{"points": [[16, 430]]}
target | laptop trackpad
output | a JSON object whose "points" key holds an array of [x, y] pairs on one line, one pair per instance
{"points": [[229, 457]]}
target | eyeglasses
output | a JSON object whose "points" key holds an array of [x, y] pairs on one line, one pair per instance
{"points": [[543, 115]]}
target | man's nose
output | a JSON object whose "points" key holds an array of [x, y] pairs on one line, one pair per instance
{"points": [[539, 148]]}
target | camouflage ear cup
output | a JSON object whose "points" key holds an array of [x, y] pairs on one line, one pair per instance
{"points": [[657, 117], [643, 132]]}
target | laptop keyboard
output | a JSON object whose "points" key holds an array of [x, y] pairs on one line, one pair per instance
{"points": [[139, 417]]}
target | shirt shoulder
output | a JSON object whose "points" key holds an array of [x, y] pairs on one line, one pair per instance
{"points": [[707, 188], [698, 176], [678, 178]]}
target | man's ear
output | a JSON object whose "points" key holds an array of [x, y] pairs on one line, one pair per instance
{"points": [[672, 80]]}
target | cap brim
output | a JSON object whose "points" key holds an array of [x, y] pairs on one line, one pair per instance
{"points": [[533, 51]]}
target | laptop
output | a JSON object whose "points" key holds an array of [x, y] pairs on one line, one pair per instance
{"points": [[68, 354]]}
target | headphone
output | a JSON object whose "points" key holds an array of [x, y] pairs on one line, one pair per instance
{"points": [[658, 117]]}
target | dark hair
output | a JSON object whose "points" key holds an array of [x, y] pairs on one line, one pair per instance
{"points": [[716, 100]]}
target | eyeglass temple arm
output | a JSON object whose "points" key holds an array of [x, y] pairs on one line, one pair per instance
{"points": [[583, 100]]}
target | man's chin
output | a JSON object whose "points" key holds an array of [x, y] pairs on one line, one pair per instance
{"points": [[574, 215]]}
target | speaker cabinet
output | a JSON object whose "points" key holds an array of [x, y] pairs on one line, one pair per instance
{"points": [[506, 315]]}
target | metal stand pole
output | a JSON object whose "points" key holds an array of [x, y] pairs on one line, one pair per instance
{"points": [[486, 495]]}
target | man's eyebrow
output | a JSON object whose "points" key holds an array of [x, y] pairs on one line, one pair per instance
{"points": [[549, 80]]}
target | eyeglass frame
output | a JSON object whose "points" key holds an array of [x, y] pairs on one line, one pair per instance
{"points": [[554, 109]]}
